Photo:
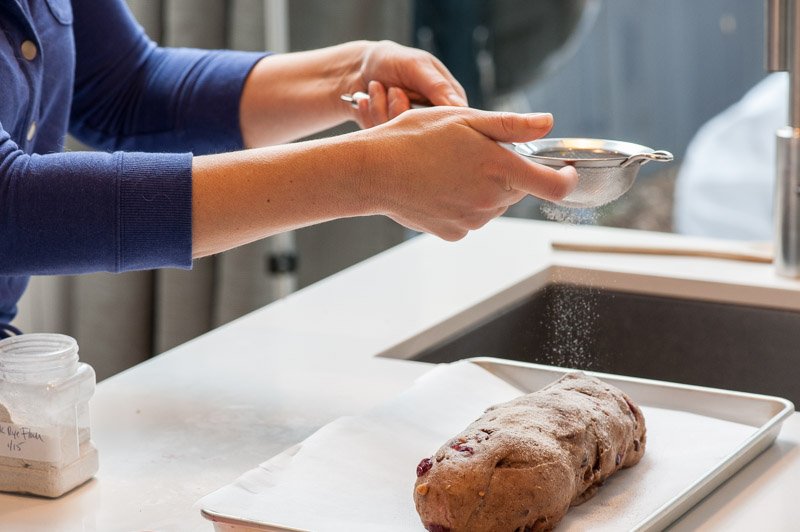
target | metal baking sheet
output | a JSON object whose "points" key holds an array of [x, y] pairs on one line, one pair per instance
{"points": [[764, 413]]}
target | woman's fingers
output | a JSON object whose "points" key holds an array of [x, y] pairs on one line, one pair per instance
{"points": [[415, 71], [521, 177], [453, 230], [542, 181], [515, 172], [510, 127], [435, 85], [438, 65], [378, 105], [382, 105], [416, 74], [364, 115], [398, 102]]}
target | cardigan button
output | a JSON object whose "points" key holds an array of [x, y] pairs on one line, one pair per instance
{"points": [[31, 131], [29, 50]]}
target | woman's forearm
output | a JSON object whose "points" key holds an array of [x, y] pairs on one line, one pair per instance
{"points": [[289, 96], [243, 196]]}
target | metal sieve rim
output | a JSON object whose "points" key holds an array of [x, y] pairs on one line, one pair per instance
{"points": [[618, 151]]}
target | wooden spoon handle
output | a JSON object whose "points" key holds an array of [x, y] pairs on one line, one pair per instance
{"points": [[733, 253]]}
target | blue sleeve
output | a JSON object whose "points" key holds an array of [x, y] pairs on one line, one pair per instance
{"points": [[131, 94], [69, 213]]}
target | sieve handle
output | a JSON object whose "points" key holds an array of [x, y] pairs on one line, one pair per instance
{"points": [[659, 155], [353, 99]]}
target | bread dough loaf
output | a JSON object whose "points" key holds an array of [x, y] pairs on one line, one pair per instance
{"points": [[522, 464]]}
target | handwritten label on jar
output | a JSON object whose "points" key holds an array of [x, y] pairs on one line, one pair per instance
{"points": [[29, 443]]}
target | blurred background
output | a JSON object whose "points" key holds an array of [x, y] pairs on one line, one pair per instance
{"points": [[646, 71]]}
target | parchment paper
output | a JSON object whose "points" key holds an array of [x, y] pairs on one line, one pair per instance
{"points": [[358, 473]]}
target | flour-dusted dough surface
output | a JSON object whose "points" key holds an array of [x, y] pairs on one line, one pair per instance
{"points": [[521, 465]]}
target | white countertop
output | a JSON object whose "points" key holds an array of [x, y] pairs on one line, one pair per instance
{"points": [[193, 419]]}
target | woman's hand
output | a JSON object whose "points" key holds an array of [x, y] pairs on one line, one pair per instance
{"points": [[393, 75], [441, 171], [289, 96]]}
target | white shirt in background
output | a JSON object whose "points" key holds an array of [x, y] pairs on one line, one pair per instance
{"points": [[725, 184]]}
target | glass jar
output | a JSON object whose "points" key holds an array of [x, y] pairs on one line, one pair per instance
{"points": [[45, 443]]}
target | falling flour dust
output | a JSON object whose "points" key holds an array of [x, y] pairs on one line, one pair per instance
{"points": [[557, 213], [570, 317]]}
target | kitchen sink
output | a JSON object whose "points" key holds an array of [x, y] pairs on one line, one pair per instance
{"points": [[752, 348]]}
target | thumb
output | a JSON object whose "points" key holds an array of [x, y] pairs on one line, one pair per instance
{"points": [[511, 127]]}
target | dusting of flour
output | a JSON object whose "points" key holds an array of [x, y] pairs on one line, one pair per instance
{"points": [[570, 317]]}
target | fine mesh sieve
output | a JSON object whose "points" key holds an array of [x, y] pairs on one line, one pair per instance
{"points": [[606, 168]]}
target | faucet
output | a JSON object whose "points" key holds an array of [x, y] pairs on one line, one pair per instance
{"points": [[783, 54]]}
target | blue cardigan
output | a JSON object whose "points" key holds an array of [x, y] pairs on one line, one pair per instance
{"points": [[87, 65]]}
